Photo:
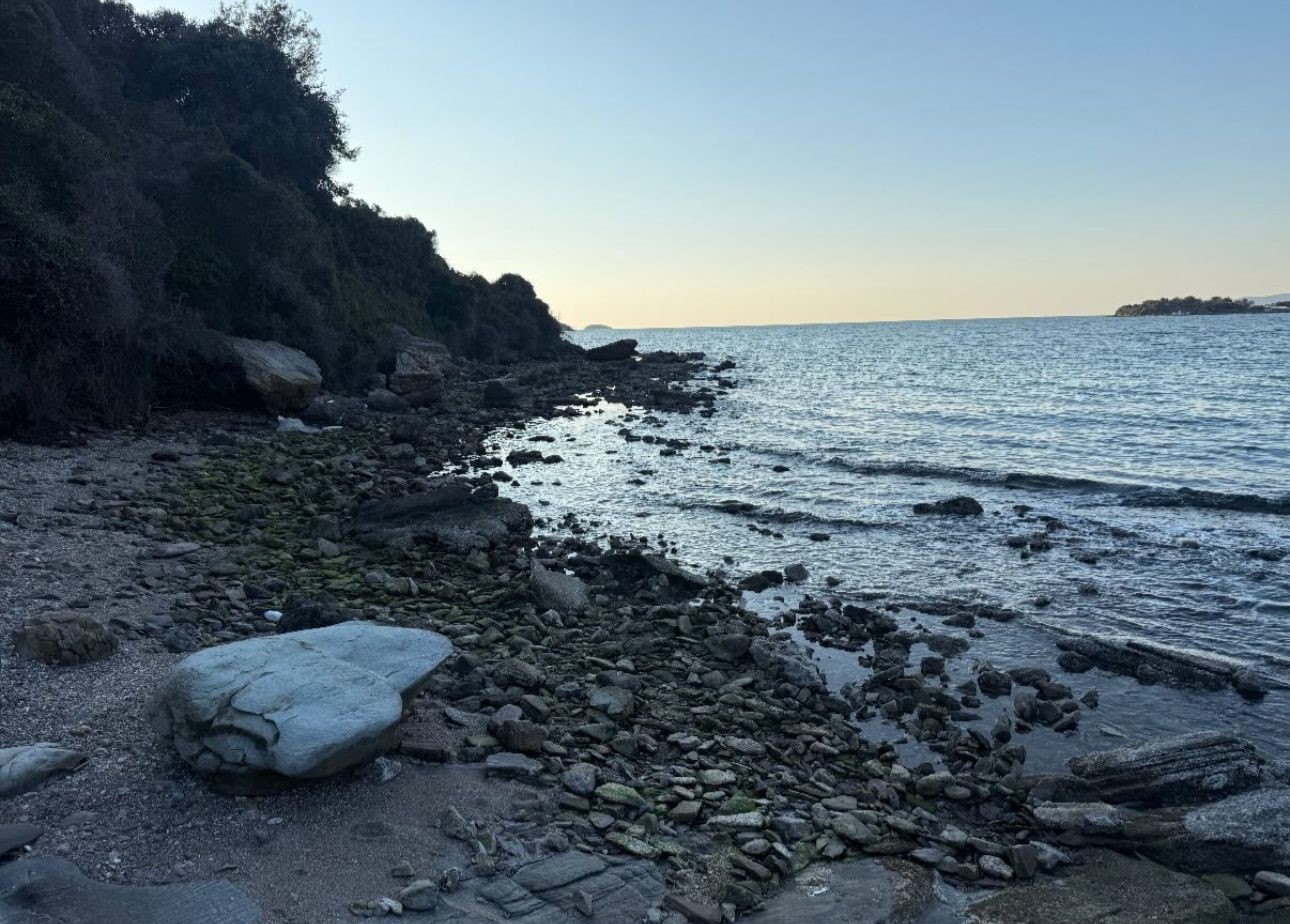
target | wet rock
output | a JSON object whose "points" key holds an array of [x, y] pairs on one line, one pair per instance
{"points": [[960, 506], [40, 889], [1152, 662], [64, 638], [25, 768], [613, 352], [386, 401], [1202, 766], [297, 706], [994, 683]]}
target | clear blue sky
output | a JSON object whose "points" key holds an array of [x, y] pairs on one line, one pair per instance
{"points": [[737, 161]]}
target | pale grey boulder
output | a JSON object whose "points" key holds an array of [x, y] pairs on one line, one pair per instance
{"points": [[25, 768], [286, 379], [302, 705]]}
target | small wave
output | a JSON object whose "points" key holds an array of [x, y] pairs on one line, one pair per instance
{"points": [[1131, 495]]}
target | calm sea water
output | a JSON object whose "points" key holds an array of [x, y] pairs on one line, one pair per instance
{"points": [[1161, 444]]}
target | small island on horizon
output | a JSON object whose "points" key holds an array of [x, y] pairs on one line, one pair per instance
{"points": [[597, 327], [1190, 304]]}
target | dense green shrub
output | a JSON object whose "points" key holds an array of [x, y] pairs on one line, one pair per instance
{"points": [[162, 178]]}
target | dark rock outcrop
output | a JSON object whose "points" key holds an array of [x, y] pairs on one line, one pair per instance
{"points": [[613, 352], [960, 506]]}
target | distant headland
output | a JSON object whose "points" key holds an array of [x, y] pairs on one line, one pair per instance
{"points": [[597, 327], [1190, 304]]}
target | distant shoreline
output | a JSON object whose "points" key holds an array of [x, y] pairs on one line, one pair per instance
{"points": [[1191, 305]]}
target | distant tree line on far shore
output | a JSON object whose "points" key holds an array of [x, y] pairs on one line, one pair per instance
{"points": [[1190, 304]]}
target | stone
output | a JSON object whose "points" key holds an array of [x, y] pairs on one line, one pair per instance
{"points": [[788, 661], [1156, 662], [692, 909], [25, 768], [297, 706], [450, 511], [1246, 832], [556, 590], [506, 392], [613, 352], [994, 683], [580, 778], [386, 401], [960, 506], [509, 765], [418, 368], [43, 889], [64, 639], [1095, 818], [285, 379], [995, 868], [419, 895], [14, 837], [1271, 882], [1108, 887], [618, 794], [1197, 767], [522, 736], [796, 573], [615, 702]]}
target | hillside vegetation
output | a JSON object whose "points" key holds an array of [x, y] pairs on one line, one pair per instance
{"points": [[162, 178]]}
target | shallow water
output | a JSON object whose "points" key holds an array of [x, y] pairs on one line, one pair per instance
{"points": [[1162, 445]]}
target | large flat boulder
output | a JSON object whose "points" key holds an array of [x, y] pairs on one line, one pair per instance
{"points": [[296, 706], [1246, 832], [1199, 767], [286, 379], [1108, 887], [1154, 662], [44, 890]]}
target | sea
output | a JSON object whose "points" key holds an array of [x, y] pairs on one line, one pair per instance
{"points": [[1159, 449]]}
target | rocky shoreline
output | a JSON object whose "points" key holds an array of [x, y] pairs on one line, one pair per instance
{"points": [[612, 737]]}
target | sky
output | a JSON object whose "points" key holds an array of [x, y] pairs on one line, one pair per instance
{"points": [[713, 162]]}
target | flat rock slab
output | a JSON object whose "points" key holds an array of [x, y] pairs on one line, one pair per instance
{"points": [[1109, 889], [1173, 771], [41, 890], [1246, 832], [859, 892], [17, 836], [23, 769], [550, 891], [297, 706]]}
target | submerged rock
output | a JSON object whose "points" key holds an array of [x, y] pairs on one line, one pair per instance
{"points": [[1152, 662], [960, 506], [296, 706]]}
